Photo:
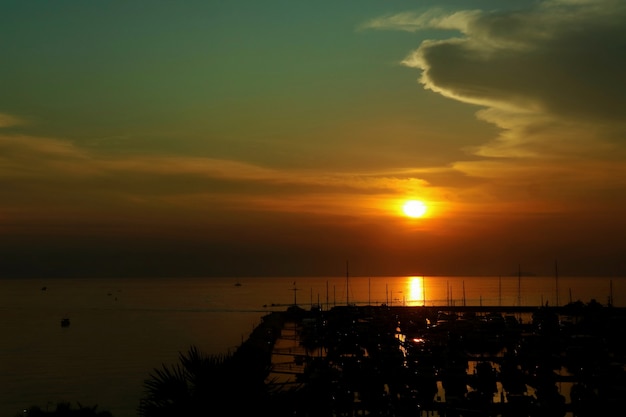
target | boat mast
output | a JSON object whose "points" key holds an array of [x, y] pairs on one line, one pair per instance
{"points": [[295, 302], [519, 285], [556, 277], [327, 304], [347, 286], [463, 293]]}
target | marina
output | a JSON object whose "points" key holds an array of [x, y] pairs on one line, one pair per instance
{"points": [[454, 361]]}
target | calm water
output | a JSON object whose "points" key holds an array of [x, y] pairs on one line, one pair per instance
{"points": [[123, 328]]}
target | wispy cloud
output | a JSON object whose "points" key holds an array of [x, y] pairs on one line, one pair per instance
{"points": [[434, 18], [61, 173], [7, 120]]}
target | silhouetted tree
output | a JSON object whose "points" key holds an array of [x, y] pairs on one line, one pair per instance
{"points": [[206, 385]]}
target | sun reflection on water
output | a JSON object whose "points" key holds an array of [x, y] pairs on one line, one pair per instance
{"points": [[416, 290]]}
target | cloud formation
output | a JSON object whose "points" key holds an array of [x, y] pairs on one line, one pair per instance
{"points": [[550, 77], [40, 171], [560, 62]]}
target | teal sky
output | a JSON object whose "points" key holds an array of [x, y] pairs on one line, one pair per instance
{"points": [[282, 137]]}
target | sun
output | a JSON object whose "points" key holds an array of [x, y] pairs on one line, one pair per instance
{"points": [[414, 208]]}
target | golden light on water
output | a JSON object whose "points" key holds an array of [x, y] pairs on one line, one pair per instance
{"points": [[416, 290]]}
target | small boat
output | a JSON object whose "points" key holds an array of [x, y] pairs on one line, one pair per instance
{"points": [[237, 284], [65, 322]]}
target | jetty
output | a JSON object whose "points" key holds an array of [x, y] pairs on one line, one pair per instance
{"points": [[449, 360]]}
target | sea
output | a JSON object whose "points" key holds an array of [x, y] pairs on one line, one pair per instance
{"points": [[121, 330]]}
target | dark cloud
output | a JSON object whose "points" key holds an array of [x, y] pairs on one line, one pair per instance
{"points": [[563, 59]]}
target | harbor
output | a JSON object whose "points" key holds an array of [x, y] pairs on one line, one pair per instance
{"points": [[451, 360]]}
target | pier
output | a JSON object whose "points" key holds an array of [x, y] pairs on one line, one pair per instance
{"points": [[453, 360]]}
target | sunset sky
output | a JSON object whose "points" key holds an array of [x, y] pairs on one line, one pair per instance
{"points": [[256, 138]]}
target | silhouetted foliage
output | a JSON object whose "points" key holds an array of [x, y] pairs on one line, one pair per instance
{"points": [[205, 385], [64, 409]]}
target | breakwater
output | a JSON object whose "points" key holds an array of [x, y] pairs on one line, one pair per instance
{"points": [[453, 361]]}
